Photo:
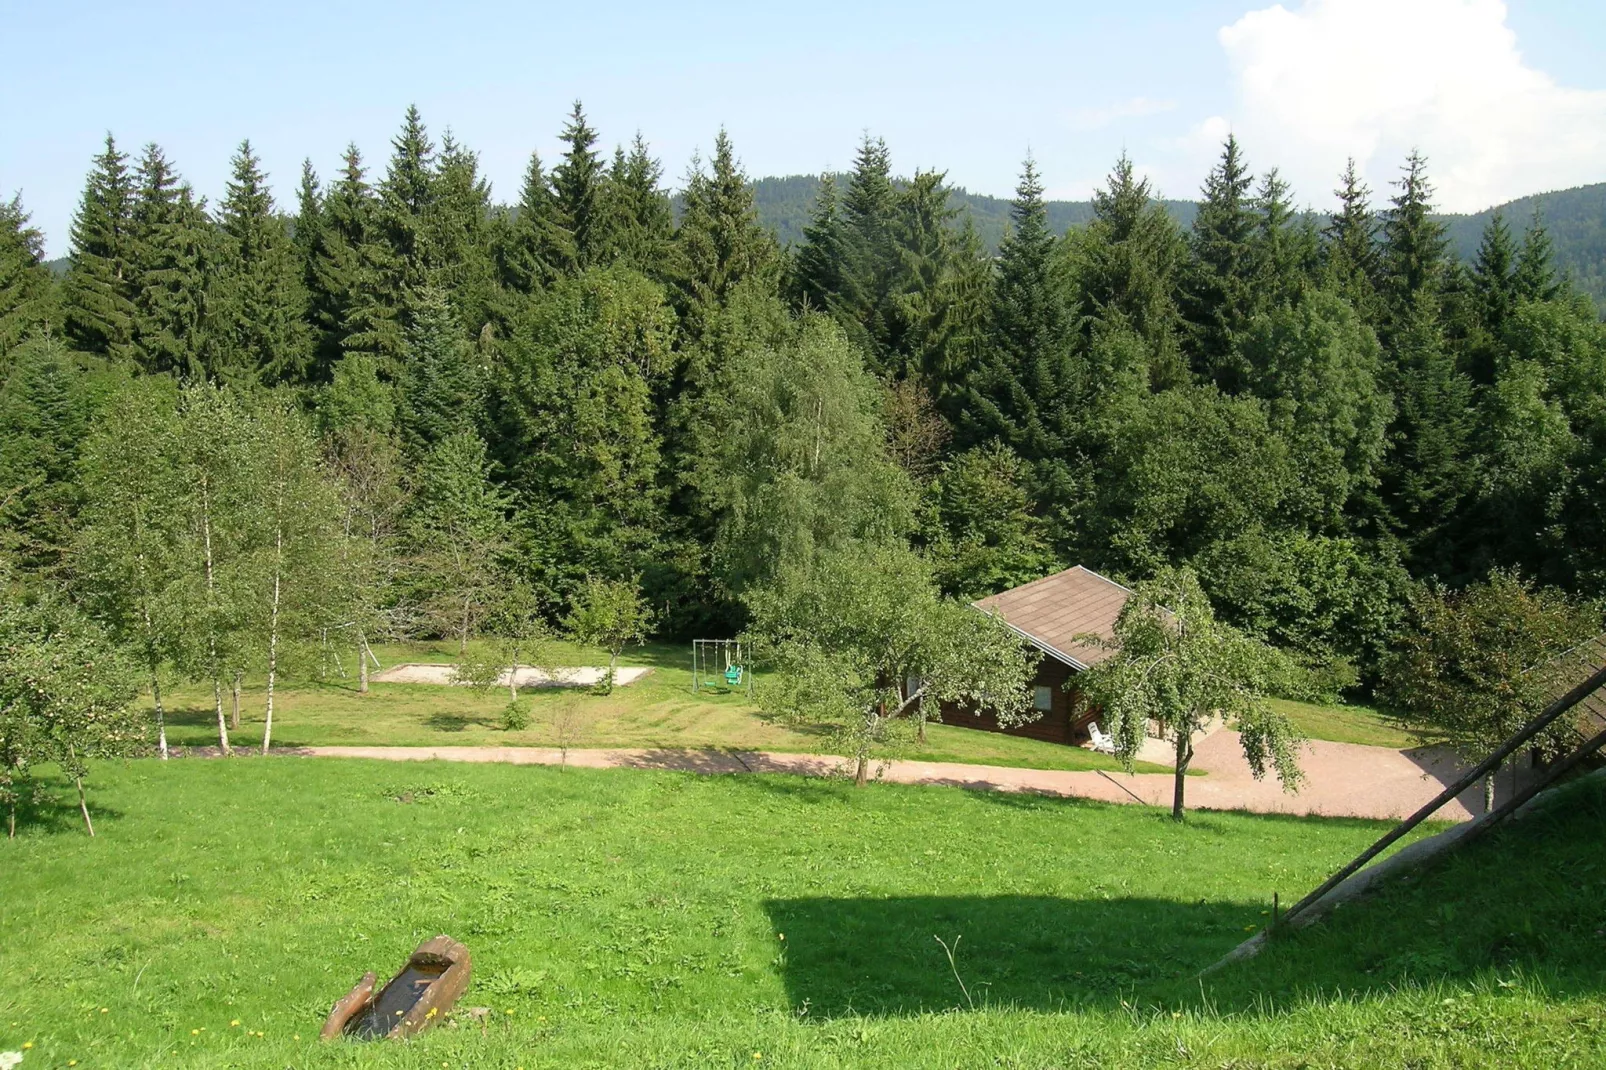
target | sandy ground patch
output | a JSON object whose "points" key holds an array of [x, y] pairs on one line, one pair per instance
{"points": [[584, 676]]}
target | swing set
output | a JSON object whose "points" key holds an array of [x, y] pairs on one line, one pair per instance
{"points": [[716, 661]]}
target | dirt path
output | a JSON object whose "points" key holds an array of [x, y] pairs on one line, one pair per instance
{"points": [[1342, 779]]}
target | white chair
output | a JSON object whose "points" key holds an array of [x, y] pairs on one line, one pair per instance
{"points": [[1102, 743]]}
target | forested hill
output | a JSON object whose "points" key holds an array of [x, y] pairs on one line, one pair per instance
{"points": [[1576, 219]]}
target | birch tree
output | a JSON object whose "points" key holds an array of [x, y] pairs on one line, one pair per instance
{"points": [[128, 558]]}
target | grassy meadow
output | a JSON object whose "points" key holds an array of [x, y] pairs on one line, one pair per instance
{"points": [[658, 710], [655, 919]]}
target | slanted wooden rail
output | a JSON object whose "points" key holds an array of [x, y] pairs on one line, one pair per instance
{"points": [[1522, 736]]}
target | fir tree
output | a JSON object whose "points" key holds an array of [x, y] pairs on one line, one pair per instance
{"points": [[720, 242], [1414, 244], [459, 235], [168, 265], [1129, 258], [639, 220], [922, 245], [1350, 244], [351, 299], [577, 185], [442, 385], [817, 275], [1285, 250], [868, 207], [257, 330], [406, 204], [1534, 277], [1218, 295], [1493, 274], [26, 293], [98, 294], [533, 247], [1026, 391]]}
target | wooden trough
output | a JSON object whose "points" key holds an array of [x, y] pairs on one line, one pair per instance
{"points": [[431, 982]]}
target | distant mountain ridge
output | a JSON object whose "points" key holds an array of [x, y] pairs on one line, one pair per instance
{"points": [[1576, 219]]}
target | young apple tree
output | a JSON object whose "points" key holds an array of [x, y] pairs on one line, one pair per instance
{"points": [[1176, 665]]}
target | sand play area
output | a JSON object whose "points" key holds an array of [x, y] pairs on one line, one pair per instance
{"points": [[584, 676]]}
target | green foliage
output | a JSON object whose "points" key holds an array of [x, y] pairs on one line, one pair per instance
{"points": [[65, 696], [864, 644], [1174, 665], [27, 296], [983, 536], [170, 255], [1476, 664], [610, 614], [98, 303]]}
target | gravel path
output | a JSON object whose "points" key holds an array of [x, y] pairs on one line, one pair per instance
{"points": [[1342, 779]]}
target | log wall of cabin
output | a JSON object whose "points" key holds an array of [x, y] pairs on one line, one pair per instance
{"points": [[1065, 723]]}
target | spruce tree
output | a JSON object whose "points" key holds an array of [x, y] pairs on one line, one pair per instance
{"points": [[256, 330], [639, 220], [459, 254], [170, 258], [98, 294], [406, 204], [1415, 247], [720, 243], [817, 273], [1218, 294], [1350, 245], [868, 207], [442, 384], [533, 247], [577, 184], [26, 293], [1026, 392], [351, 296], [1285, 250], [1129, 258], [1534, 277], [922, 246]]}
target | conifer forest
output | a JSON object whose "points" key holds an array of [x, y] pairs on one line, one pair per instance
{"points": [[235, 428]]}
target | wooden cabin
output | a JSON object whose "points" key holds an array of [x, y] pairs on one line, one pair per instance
{"points": [[1050, 614]]}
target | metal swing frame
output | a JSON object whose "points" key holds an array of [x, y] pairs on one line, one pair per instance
{"points": [[706, 657]]}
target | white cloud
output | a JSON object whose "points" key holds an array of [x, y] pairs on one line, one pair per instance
{"points": [[1375, 78], [1135, 108]]}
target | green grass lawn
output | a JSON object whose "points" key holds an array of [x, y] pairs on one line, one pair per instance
{"points": [[640, 918], [1346, 724], [658, 710]]}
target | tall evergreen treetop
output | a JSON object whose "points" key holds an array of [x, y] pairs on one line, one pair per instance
{"points": [[1414, 244], [406, 199], [25, 287], [820, 262], [1350, 243], [1219, 293], [534, 247], [1534, 277], [720, 241], [577, 186], [459, 236], [639, 219], [169, 263], [1493, 273], [258, 329], [99, 311]]}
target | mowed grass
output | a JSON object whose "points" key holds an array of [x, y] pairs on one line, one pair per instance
{"points": [[641, 918], [1347, 724], [658, 710]]}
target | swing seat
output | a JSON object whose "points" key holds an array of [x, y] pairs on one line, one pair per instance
{"points": [[733, 676]]}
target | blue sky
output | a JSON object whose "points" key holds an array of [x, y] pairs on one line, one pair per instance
{"points": [[1505, 98]]}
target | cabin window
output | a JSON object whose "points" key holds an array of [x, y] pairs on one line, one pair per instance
{"points": [[1043, 699]]}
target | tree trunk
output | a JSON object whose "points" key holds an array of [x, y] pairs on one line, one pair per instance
{"points": [[513, 675], [211, 624], [83, 803], [920, 725], [11, 823], [1184, 756], [861, 775], [613, 670], [161, 719], [462, 636], [362, 660], [1488, 790], [273, 634], [234, 710]]}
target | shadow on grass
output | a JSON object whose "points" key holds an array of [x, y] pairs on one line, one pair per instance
{"points": [[54, 811], [882, 956]]}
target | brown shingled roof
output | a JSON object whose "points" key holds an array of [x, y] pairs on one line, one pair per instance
{"points": [[1052, 611]]}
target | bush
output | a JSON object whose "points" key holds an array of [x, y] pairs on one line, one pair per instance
{"points": [[515, 717]]}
